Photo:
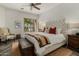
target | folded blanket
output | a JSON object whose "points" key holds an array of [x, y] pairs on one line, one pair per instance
{"points": [[42, 40]]}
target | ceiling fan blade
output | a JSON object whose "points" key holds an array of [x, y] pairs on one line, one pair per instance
{"points": [[35, 6], [37, 3]]}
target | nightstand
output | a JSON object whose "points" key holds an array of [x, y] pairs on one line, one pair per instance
{"points": [[73, 41], [27, 47]]}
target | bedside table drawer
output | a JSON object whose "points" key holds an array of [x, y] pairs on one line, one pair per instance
{"points": [[73, 41]]}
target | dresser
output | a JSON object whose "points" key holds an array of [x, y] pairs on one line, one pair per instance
{"points": [[73, 41]]}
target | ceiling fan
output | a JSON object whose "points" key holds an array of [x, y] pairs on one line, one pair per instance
{"points": [[33, 5]]}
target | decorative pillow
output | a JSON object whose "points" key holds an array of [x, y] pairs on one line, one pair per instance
{"points": [[52, 30], [59, 31]]}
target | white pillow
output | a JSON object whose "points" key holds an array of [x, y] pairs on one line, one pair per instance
{"points": [[58, 31]]}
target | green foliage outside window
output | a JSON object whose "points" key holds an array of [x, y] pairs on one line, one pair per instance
{"points": [[27, 22]]}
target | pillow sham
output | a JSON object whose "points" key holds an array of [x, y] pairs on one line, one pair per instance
{"points": [[58, 31]]}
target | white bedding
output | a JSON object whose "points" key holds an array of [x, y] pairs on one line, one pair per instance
{"points": [[56, 41], [49, 48]]}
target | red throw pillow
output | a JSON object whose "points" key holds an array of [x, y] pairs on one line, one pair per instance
{"points": [[52, 30]]}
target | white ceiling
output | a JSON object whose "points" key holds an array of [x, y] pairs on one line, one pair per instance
{"points": [[17, 6]]}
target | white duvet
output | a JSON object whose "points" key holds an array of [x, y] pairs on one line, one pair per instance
{"points": [[54, 39]]}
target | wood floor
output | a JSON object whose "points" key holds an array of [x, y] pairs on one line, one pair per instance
{"points": [[63, 52]]}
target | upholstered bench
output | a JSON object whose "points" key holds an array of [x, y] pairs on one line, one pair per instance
{"points": [[61, 52]]}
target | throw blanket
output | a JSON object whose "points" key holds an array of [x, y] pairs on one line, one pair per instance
{"points": [[42, 40]]}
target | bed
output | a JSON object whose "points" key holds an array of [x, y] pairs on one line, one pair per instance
{"points": [[56, 41]]}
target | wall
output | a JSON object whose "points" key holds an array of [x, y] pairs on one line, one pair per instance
{"points": [[9, 17], [2, 17], [67, 11], [71, 14], [53, 16], [71, 11]]}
